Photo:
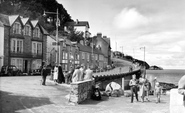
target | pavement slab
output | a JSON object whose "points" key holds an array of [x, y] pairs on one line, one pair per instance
{"points": [[24, 94]]}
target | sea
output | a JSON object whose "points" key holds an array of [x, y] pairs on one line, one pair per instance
{"points": [[166, 75]]}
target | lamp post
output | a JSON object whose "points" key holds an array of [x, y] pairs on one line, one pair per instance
{"points": [[144, 57], [57, 40]]}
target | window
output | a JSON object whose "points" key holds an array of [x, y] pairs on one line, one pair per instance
{"points": [[64, 55], [96, 57], [101, 58], [18, 62], [36, 32], [88, 56], [17, 28], [37, 48], [16, 45], [27, 30], [83, 55]]}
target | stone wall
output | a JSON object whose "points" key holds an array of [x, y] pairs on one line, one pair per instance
{"points": [[80, 91]]}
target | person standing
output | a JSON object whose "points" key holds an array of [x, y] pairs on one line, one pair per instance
{"points": [[76, 74], [181, 87], [133, 84], [158, 91], [55, 75], [44, 75], [61, 78], [88, 74], [81, 76], [142, 89]]}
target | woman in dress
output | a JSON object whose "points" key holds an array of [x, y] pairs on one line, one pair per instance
{"points": [[61, 78], [142, 90], [55, 74]]}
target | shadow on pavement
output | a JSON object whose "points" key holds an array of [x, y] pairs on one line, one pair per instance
{"points": [[10, 103], [93, 102]]}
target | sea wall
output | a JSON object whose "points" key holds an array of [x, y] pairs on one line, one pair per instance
{"points": [[176, 102], [80, 91]]}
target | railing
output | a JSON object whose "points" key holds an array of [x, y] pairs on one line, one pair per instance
{"points": [[25, 54]]}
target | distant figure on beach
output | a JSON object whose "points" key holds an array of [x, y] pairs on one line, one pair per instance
{"points": [[134, 88], [113, 89], [181, 87], [158, 92]]}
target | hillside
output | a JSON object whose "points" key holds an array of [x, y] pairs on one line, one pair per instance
{"points": [[119, 62]]}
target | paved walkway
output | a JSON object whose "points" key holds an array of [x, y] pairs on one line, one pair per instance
{"points": [[26, 95]]}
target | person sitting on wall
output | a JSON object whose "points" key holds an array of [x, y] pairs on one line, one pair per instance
{"points": [[113, 89], [88, 74]]}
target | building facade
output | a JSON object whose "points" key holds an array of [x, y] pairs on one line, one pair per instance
{"points": [[24, 42]]}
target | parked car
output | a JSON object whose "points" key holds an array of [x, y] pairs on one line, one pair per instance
{"points": [[37, 71], [10, 70]]}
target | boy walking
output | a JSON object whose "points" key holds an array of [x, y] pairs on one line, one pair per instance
{"points": [[158, 91]]}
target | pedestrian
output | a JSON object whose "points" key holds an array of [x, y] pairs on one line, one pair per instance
{"points": [[148, 88], [153, 84], [158, 92], [113, 89], [76, 74], [61, 78], [142, 88], [181, 88], [88, 74], [44, 75], [81, 76], [55, 75], [134, 86], [69, 75]]}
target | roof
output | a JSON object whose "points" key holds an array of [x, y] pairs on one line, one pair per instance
{"points": [[12, 19], [88, 49], [1, 24], [24, 20], [34, 22], [79, 23], [44, 31], [4, 19]]}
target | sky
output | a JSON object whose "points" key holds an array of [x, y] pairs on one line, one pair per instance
{"points": [[157, 25]]}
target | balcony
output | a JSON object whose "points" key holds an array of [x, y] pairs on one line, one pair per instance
{"points": [[25, 54]]}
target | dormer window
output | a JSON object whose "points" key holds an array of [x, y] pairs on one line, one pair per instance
{"points": [[17, 28], [27, 30], [36, 32]]}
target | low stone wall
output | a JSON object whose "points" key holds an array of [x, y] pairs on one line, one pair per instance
{"points": [[176, 102], [80, 91]]}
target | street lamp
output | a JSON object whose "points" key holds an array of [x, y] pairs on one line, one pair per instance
{"points": [[144, 56], [57, 40]]}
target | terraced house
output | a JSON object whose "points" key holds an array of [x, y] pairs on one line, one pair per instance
{"points": [[23, 42]]}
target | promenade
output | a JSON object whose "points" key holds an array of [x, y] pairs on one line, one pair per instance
{"points": [[25, 95]]}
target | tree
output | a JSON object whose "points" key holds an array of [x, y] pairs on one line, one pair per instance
{"points": [[75, 35]]}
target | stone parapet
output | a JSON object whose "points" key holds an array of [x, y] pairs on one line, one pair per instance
{"points": [[80, 91]]}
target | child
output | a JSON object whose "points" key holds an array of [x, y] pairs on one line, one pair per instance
{"points": [[158, 91]]}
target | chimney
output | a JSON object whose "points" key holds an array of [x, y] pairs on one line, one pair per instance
{"points": [[104, 36], [99, 34]]}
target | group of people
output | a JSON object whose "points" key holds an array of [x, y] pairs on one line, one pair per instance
{"points": [[143, 86], [73, 75]]}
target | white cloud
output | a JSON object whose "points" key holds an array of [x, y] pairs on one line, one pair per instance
{"points": [[129, 19]]}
